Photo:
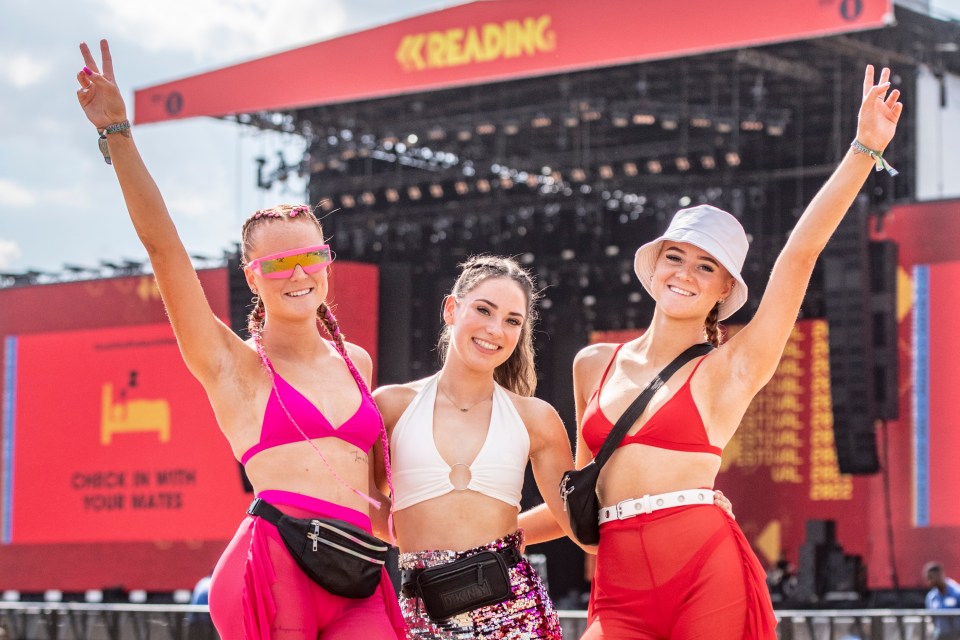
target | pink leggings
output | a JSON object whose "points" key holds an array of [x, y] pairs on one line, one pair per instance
{"points": [[259, 591], [680, 574]]}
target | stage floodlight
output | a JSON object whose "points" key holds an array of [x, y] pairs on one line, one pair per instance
{"points": [[540, 121]]}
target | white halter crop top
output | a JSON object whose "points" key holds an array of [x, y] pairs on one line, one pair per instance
{"points": [[420, 473]]}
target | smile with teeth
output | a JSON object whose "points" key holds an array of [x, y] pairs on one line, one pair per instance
{"points": [[485, 344], [679, 291], [297, 294]]}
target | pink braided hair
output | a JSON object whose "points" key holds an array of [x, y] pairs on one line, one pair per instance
{"points": [[328, 321]]}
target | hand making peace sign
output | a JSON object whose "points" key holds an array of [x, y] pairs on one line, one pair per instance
{"points": [[98, 93]]}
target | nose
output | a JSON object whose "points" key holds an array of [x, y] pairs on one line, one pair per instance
{"points": [[685, 271], [298, 273], [494, 328]]}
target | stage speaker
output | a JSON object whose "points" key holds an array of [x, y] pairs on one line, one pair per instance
{"points": [[240, 295], [883, 288], [849, 307], [396, 326]]}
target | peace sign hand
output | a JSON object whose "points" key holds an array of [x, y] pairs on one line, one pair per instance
{"points": [[879, 111], [98, 93]]}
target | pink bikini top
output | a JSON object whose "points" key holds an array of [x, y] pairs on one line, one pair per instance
{"points": [[361, 429], [677, 425]]}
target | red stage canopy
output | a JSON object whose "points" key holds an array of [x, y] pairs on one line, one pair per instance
{"points": [[496, 40]]}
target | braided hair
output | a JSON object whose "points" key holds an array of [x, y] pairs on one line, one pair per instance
{"points": [[280, 214], [711, 327], [325, 319]]}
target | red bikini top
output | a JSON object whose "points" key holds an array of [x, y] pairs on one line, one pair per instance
{"points": [[677, 425]]}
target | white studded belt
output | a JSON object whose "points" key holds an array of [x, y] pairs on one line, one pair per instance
{"points": [[649, 504]]}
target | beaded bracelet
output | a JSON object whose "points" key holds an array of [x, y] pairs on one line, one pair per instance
{"points": [[880, 163], [117, 127]]}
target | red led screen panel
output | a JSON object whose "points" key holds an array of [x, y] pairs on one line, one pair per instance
{"points": [[123, 445], [91, 351]]}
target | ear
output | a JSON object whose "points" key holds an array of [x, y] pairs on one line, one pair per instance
{"points": [[727, 290], [250, 276], [449, 309]]}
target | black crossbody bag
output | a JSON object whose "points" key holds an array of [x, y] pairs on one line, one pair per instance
{"points": [[469, 583], [340, 557], [578, 488]]}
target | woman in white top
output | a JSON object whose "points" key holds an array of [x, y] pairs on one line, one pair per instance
{"points": [[460, 441], [459, 445]]}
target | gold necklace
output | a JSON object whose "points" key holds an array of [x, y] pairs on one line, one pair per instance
{"points": [[455, 405]]}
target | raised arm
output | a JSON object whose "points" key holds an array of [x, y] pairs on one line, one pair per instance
{"points": [[753, 354], [205, 342]]}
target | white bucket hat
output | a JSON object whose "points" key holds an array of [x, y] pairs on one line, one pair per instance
{"points": [[711, 229]]}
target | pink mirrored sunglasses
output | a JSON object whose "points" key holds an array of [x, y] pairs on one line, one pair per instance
{"points": [[281, 265]]}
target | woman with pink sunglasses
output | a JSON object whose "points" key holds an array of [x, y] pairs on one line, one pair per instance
{"points": [[278, 420]]}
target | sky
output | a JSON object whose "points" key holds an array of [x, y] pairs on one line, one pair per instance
{"points": [[60, 204]]}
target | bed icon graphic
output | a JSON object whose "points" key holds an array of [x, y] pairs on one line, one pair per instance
{"points": [[133, 416]]}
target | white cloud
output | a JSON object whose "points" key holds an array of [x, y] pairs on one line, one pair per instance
{"points": [[23, 70], [224, 30], [9, 252], [13, 195]]}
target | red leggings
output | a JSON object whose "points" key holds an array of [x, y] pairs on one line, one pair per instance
{"points": [[259, 592], [678, 574]]}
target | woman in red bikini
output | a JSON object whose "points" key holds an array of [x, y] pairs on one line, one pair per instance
{"points": [[276, 397], [668, 564]]}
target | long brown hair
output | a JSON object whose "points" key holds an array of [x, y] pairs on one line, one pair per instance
{"points": [[517, 373]]}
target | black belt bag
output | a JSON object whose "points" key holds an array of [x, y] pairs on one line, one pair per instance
{"points": [[340, 557], [463, 585]]}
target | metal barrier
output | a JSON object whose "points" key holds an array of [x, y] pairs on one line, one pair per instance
{"points": [[826, 624], [81, 621]]}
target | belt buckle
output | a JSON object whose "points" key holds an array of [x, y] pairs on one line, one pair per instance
{"points": [[623, 513]]}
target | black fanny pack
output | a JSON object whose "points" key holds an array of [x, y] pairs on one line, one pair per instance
{"points": [[463, 585], [340, 557]]}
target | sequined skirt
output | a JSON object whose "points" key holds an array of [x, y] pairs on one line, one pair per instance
{"points": [[528, 615]]}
